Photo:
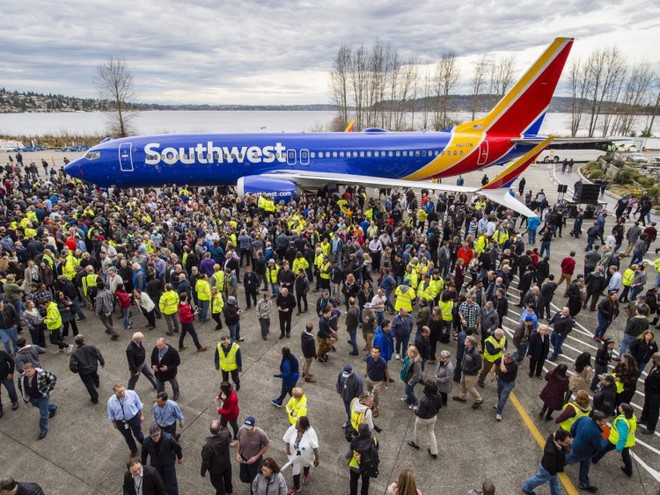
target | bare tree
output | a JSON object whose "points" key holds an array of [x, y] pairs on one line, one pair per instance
{"points": [[447, 75], [115, 85], [655, 108], [606, 68], [427, 91], [408, 86], [578, 80], [634, 96], [478, 82], [358, 80], [339, 76]]}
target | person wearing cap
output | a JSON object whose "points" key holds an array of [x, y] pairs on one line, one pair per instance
{"points": [[557, 446], [216, 458], [350, 385], [85, 361], [252, 444], [233, 319], [605, 397], [9, 486], [228, 359], [651, 407], [163, 450], [587, 441]]}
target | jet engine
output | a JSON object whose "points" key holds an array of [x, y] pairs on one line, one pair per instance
{"points": [[276, 189]]}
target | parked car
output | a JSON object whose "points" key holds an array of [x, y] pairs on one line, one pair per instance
{"points": [[637, 158]]}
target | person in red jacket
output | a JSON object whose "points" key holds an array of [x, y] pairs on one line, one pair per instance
{"points": [[186, 318], [124, 300], [567, 266], [228, 408]]}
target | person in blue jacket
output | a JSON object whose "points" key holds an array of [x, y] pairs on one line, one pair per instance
{"points": [[383, 339], [532, 225], [289, 373], [587, 441]]}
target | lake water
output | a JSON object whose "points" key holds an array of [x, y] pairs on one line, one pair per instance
{"points": [[166, 122]]}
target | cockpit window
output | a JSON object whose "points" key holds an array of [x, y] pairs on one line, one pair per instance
{"points": [[92, 155]]}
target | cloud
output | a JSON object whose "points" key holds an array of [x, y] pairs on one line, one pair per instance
{"points": [[267, 51]]}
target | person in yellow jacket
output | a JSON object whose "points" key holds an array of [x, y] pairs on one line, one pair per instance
{"points": [[481, 244], [297, 405], [412, 275], [218, 278], [437, 283], [89, 286], [203, 290], [300, 262], [169, 307], [53, 322], [272, 271], [404, 296], [572, 411], [228, 360], [494, 348], [626, 281], [622, 438], [217, 303]]}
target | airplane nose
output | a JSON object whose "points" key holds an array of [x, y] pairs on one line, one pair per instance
{"points": [[74, 170]]}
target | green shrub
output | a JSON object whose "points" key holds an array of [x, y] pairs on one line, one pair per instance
{"points": [[626, 175]]}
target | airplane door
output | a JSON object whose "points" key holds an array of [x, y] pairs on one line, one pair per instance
{"points": [[483, 153], [304, 157], [291, 157], [125, 158]]}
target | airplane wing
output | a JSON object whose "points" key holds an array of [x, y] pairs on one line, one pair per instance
{"points": [[496, 190], [561, 141]]}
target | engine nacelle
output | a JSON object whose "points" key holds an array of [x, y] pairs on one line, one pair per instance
{"points": [[276, 189]]}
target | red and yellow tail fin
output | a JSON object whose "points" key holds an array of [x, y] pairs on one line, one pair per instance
{"points": [[513, 171], [529, 99], [349, 127]]}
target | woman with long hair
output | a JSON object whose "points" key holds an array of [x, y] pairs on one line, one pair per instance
{"points": [[582, 375], [404, 485], [427, 415], [411, 375], [625, 379], [289, 373], [554, 391], [642, 350]]}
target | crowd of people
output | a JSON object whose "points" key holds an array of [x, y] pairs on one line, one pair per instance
{"points": [[405, 278]]}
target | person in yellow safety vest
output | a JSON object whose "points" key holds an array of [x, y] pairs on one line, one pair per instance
{"points": [[297, 405], [203, 290], [480, 244], [495, 346], [169, 307], [49, 259], [412, 275], [425, 290], [269, 206], [89, 281], [622, 438], [272, 272], [324, 272], [404, 296], [217, 303], [572, 411], [626, 281], [261, 203], [218, 278], [69, 267], [360, 445], [299, 262], [326, 247], [421, 217], [53, 322], [500, 236], [436, 282], [228, 360]]}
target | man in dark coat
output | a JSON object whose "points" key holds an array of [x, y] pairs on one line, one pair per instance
{"points": [[216, 458], [144, 478], [12, 487], [552, 463], [165, 362], [85, 361], [163, 450]]}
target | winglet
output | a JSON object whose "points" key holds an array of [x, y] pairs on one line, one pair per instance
{"points": [[349, 127], [511, 173]]}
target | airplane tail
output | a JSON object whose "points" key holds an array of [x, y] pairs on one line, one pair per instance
{"points": [[517, 167], [522, 109]]}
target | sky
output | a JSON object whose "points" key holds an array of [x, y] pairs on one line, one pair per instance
{"points": [[259, 52]]}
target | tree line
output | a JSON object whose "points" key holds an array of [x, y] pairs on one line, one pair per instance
{"points": [[377, 87]]}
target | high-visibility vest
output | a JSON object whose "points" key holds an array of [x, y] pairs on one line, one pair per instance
{"points": [[404, 299], [169, 302], [261, 203], [579, 413], [423, 290], [628, 277], [53, 318], [69, 269], [354, 462], [356, 417], [318, 261], [296, 408], [480, 244], [217, 303], [617, 384], [447, 308], [89, 281], [299, 263], [614, 431], [491, 358], [325, 248], [271, 274], [228, 361], [203, 289], [438, 284], [325, 271], [219, 280]]}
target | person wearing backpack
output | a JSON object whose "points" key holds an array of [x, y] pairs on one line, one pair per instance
{"points": [[364, 459]]}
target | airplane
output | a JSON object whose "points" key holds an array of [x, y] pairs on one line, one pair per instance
{"points": [[279, 165]]}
